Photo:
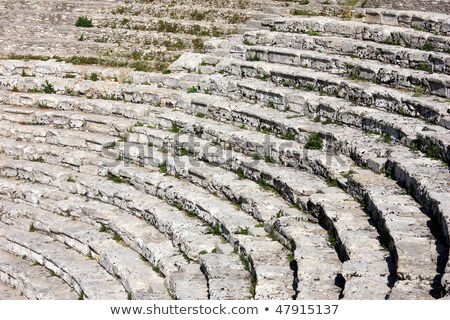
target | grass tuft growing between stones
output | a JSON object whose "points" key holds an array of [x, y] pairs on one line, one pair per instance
{"points": [[48, 88], [163, 168], [314, 142], [83, 22], [215, 230], [254, 58], [32, 228], [243, 231], [116, 179]]}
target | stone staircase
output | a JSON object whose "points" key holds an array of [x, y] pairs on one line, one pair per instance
{"points": [[305, 158]]}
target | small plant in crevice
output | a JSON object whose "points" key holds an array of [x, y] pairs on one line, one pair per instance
{"points": [[203, 252], [81, 296], [192, 89], [175, 128], [427, 46], [157, 270], [256, 156], [48, 88], [288, 136], [185, 256], [241, 174], [83, 22], [116, 179], [331, 239], [70, 179], [331, 182], [432, 151], [163, 168], [313, 33], [291, 256], [314, 142], [117, 237], [184, 152], [215, 230], [103, 228], [32, 228], [389, 172], [387, 138], [94, 76], [254, 58], [265, 185], [191, 213], [271, 105], [269, 159], [243, 231], [348, 173]]}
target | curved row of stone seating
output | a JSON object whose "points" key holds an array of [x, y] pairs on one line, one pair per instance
{"points": [[231, 186], [204, 206], [134, 232], [33, 281], [85, 276], [363, 31], [126, 265], [172, 121], [404, 57], [327, 133], [363, 70], [264, 206]]}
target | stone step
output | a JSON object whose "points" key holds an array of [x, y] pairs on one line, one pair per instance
{"points": [[417, 252], [8, 293], [433, 22], [124, 40], [225, 283], [358, 244], [216, 212], [362, 31], [286, 182], [371, 120], [207, 211], [192, 235], [428, 139], [263, 205], [135, 232], [192, 239], [33, 281], [354, 68], [143, 22], [121, 262], [318, 267], [296, 233], [85, 276], [93, 124], [359, 93], [383, 293], [404, 57], [37, 68]]}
